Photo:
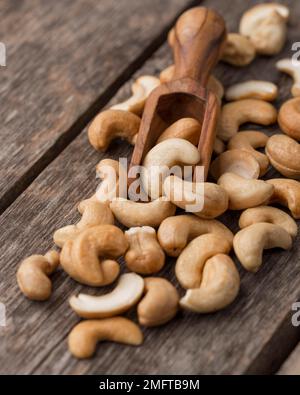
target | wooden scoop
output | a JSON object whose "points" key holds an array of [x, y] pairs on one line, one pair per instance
{"points": [[198, 38]]}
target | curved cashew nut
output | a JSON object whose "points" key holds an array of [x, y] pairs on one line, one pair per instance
{"points": [[238, 50], [145, 255], [270, 215], [32, 275], [190, 263], [176, 232], [160, 304], [289, 118], [245, 193], [84, 336], [242, 111], [287, 193], [82, 257], [284, 154], [249, 141], [262, 90], [125, 295], [219, 286], [132, 214], [206, 200], [141, 89], [250, 242], [109, 171], [293, 69], [93, 213], [186, 128], [111, 124]]}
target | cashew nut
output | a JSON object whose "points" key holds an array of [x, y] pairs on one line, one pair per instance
{"points": [[253, 89], [82, 258], [141, 89], [238, 50], [111, 124], [133, 214], [206, 200], [245, 193], [160, 304], [219, 286], [249, 141], [186, 128], [33, 275], [270, 215], [176, 232], [145, 255], [125, 295], [93, 213], [242, 111], [250, 242], [284, 154], [292, 68], [84, 336], [287, 193], [289, 118]]}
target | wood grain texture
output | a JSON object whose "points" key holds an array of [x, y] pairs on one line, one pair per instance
{"points": [[64, 60], [254, 335], [292, 364]]}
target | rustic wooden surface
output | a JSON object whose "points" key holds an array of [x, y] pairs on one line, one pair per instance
{"points": [[254, 335], [292, 364]]}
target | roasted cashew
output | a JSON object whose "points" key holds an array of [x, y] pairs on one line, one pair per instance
{"points": [[160, 303], [145, 255], [186, 128], [293, 69], [111, 124], [253, 89], [287, 193], [219, 286], [82, 258], [126, 294], [289, 118], [33, 275], [250, 242], [109, 171], [238, 50], [242, 111], [270, 215], [84, 336], [176, 232]]}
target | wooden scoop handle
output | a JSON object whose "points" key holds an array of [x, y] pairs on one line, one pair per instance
{"points": [[198, 40]]}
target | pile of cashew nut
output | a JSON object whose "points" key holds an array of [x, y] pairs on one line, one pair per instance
{"points": [[205, 268]]}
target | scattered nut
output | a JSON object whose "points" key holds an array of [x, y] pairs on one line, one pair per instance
{"points": [[108, 170], [186, 128], [33, 275], [238, 50], [287, 193], [262, 90], [289, 118], [293, 69]]}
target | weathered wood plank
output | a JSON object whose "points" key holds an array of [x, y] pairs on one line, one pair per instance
{"points": [[64, 60], [253, 335], [292, 364]]}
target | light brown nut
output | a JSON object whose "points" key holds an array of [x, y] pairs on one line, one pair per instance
{"points": [[93, 213], [236, 161], [238, 50], [33, 275], [191, 261], [249, 243], [292, 68], [85, 257], [141, 89], [145, 255], [111, 124], [284, 154], [270, 215], [126, 294], [287, 193], [160, 303], [186, 128], [109, 171], [176, 232], [249, 141], [289, 118], [245, 193], [253, 89], [249, 110], [219, 286], [84, 336], [206, 200], [219, 146]]}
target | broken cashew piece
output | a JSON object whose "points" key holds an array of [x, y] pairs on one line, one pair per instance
{"points": [[84, 336], [186, 128], [145, 255], [33, 275], [219, 286], [292, 68], [262, 90], [126, 294], [112, 124], [250, 242], [238, 50], [160, 303], [287, 193], [289, 118]]}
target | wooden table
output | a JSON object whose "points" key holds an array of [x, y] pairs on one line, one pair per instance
{"points": [[67, 60]]}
